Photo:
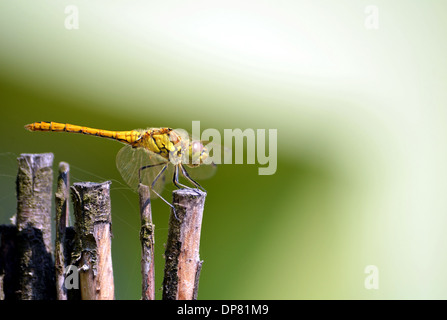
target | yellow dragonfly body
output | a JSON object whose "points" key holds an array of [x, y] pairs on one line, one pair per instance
{"points": [[146, 151]]}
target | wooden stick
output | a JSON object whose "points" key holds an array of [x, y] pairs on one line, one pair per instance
{"points": [[183, 264], [9, 274], [93, 250], [61, 257], [69, 244], [34, 199], [147, 244]]}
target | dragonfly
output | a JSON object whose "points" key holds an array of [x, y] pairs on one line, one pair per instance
{"points": [[149, 155]]}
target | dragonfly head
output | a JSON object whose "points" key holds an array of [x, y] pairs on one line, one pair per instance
{"points": [[198, 154]]}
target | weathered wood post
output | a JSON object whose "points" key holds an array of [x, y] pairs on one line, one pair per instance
{"points": [[34, 199], [93, 247], [147, 244], [64, 233], [183, 264]]}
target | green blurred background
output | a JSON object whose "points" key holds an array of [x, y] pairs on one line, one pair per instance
{"points": [[360, 114]]}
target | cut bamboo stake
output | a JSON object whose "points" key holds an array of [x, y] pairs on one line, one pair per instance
{"points": [[183, 264], [34, 199], [93, 250], [147, 244], [61, 257]]}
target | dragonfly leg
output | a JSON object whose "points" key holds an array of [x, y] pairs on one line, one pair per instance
{"points": [[146, 167], [175, 179], [195, 183], [155, 181]]}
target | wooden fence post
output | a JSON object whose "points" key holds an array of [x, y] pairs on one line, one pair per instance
{"points": [[27, 270], [34, 199], [93, 250], [183, 264], [147, 244]]}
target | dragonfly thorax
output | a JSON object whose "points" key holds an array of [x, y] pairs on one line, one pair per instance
{"points": [[174, 147]]}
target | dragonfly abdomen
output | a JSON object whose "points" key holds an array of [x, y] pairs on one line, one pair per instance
{"points": [[129, 137]]}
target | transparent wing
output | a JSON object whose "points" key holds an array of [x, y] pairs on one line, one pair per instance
{"points": [[204, 171], [130, 160]]}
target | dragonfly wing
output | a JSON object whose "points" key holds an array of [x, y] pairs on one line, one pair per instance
{"points": [[130, 160], [204, 171]]}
